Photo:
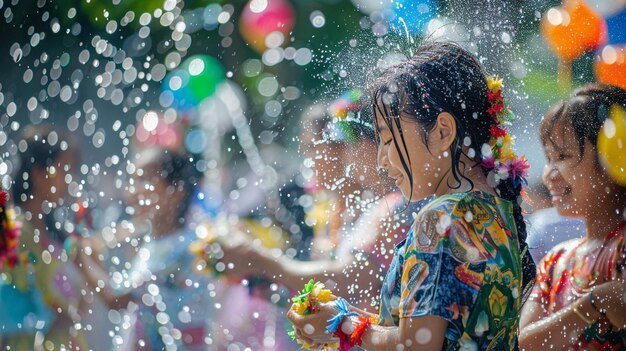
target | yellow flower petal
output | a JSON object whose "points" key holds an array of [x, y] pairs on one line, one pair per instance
{"points": [[494, 83], [324, 295], [299, 308]]}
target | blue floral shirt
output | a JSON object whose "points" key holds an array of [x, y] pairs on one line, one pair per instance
{"points": [[461, 262]]}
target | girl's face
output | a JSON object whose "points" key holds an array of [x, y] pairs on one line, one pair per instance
{"points": [[578, 186], [426, 166], [153, 196]]}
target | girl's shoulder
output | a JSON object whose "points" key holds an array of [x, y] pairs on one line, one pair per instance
{"points": [[457, 222], [558, 252], [433, 224], [465, 205]]}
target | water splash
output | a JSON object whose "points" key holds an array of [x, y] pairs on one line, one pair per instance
{"points": [[409, 39]]}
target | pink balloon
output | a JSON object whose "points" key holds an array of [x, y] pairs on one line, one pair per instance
{"points": [[262, 17]]}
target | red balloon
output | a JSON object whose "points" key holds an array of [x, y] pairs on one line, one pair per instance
{"points": [[572, 29], [262, 17], [610, 65]]}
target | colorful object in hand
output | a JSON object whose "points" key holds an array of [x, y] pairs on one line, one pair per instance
{"points": [[195, 80], [348, 341], [263, 17], [498, 156], [9, 234], [610, 65], [307, 302], [612, 144], [334, 325], [572, 29]]}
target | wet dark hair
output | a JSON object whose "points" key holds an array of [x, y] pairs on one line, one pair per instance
{"points": [[443, 77], [179, 169], [584, 112], [43, 146]]}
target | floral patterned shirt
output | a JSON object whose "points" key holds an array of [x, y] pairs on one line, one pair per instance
{"points": [[564, 275], [461, 261]]}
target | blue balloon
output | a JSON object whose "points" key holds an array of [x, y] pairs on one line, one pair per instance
{"points": [[177, 83], [196, 141], [616, 27], [414, 13]]}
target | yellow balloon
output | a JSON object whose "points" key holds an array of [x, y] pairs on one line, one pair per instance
{"points": [[612, 144]]}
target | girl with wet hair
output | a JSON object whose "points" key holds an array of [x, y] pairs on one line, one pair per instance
{"points": [[459, 278], [578, 301]]}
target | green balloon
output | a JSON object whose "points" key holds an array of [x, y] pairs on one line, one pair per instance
{"points": [[205, 74]]}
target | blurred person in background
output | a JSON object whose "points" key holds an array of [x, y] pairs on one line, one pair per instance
{"points": [[578, 298], [355, 218], [173, 302], [44, 301]]}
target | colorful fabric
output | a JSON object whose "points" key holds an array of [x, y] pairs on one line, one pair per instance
{"points": [[461, 262], [564, 275]]}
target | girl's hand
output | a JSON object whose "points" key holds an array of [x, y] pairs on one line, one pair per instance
{"points": [[611, 298], [312, 328]]}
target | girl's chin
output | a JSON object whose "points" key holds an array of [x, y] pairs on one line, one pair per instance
{"points": [[565, 210]]}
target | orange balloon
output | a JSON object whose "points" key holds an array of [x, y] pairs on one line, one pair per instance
{"points": [[573, 29], [610, 65]]}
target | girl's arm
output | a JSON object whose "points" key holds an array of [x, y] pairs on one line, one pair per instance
{"points": [[250, 260], [98, 279], [414, 333], [557, 331]]}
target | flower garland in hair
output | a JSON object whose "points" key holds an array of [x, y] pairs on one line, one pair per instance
{"points": [[498, 156], [307, 302], [9, 234]]}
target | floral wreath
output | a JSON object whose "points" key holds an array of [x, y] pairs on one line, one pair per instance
{"points": [[498, 157]]}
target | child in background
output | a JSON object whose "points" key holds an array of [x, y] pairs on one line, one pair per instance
{"points": [[578, 300], [42, 293], [173, 299]]}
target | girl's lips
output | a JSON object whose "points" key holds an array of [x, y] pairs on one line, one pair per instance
{"points": [[557, 197]]}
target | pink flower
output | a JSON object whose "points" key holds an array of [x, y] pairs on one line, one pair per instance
{"points": [[489, 162], [519, 167]]}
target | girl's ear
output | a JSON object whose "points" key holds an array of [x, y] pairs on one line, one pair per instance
{"points": [[444, 132]]}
